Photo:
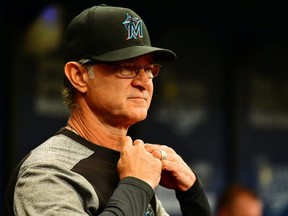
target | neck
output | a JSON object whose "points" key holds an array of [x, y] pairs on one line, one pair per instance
{"points": [[96, 131]]}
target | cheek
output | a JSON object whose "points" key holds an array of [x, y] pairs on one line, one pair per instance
{"points": [[107, 91], [97, 90], [150, 92]]}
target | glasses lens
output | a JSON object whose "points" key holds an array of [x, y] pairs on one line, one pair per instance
{"points": [[128, 71], [152, 70], [131, 71]]}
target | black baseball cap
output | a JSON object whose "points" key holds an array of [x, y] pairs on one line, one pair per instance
{"points": [[107, 33]]}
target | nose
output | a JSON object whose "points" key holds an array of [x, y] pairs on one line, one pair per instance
{"points": [[142, 80]]}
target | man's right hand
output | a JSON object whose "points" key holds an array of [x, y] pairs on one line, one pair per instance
{"points": [[136, 162]]}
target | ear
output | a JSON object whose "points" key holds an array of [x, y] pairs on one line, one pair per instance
{"points": [[77, 75]]}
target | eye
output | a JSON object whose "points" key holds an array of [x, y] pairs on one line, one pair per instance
{"points": [[127, 70], [149, 68]]}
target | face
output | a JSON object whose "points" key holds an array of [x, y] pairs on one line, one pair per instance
{"points": [[119, 101], [245, 205]]}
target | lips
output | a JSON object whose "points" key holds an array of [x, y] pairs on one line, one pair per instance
{"points": [[137, 98]]}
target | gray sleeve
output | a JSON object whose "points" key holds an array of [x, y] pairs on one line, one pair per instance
{"points": [[160, 209], [49, 190]]}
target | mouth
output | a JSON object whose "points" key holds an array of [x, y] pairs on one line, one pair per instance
{"points": [[137, 98]]}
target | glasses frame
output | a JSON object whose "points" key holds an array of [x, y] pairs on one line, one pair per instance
{"points": [[121, 69]]}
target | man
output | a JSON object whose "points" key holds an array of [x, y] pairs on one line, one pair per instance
{"points": [[239, 200], [91, 166]]}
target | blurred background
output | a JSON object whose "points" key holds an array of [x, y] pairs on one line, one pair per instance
{"points": [[223, 105]]}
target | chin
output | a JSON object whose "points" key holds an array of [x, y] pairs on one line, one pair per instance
{"points": [[139, 119]]}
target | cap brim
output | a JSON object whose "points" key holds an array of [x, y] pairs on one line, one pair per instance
{"points": [[159, 54]]}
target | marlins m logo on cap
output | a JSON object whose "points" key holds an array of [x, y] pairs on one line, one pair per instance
{"points": [[134, 27]]}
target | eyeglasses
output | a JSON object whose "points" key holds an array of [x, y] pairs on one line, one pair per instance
{"points": [[129, 71]]}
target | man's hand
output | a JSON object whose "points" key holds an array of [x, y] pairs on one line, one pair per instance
{"points": [[176, 174], [135, 161]]}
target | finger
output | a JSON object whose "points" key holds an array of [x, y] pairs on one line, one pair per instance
{"points": [[151, 147], [138, 142], [156, 154], [160, 154], [126, 142]]}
